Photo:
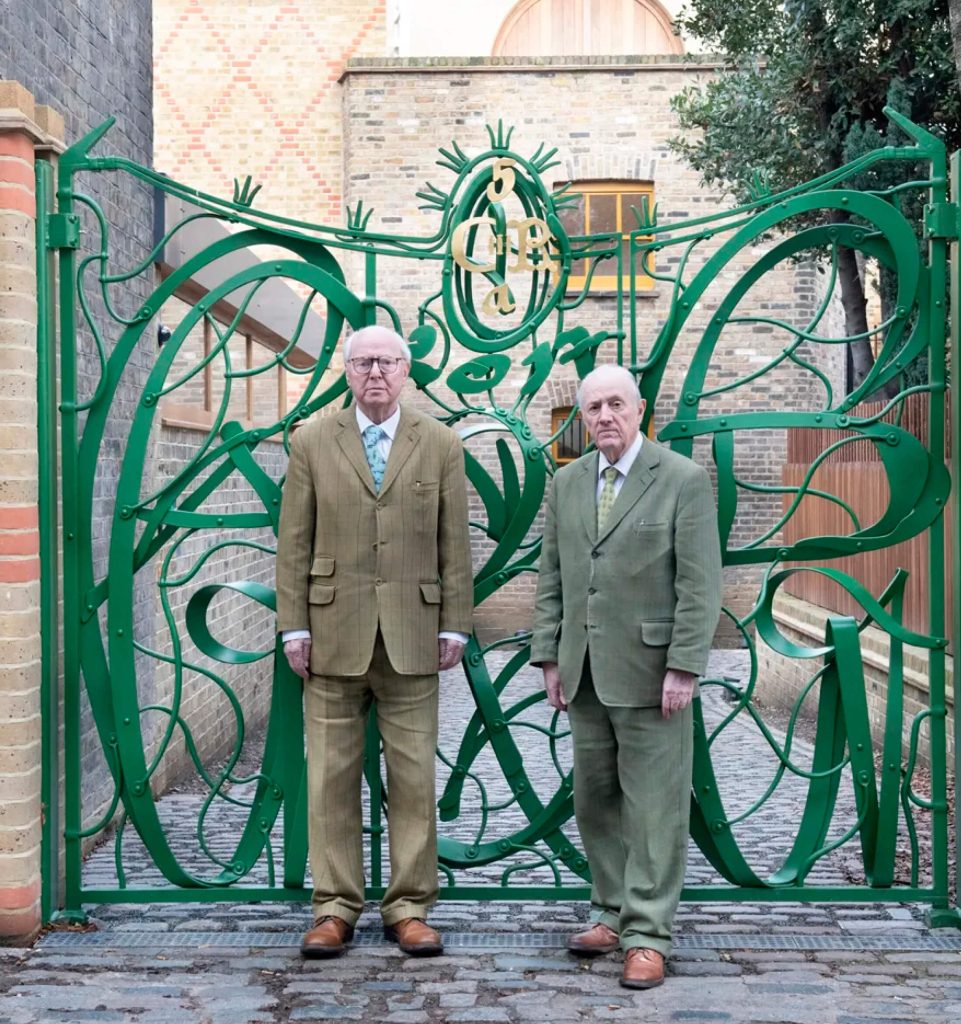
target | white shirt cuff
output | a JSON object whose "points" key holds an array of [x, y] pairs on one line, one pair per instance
{"points": [[461, 638], [295, 634]]}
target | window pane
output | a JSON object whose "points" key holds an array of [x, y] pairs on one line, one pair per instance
{"points": [[572, 217], [635, 199], [603, 213]]}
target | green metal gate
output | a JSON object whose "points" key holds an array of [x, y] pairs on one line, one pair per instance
{"points": [[501, 297]]}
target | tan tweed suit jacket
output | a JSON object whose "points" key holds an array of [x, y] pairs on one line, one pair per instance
{"points": [[350, 559]]}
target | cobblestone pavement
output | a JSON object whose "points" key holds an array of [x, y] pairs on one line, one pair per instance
{"points": [[233, 963]]}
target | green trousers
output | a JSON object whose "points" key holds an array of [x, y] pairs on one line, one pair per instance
{"points": [[632, 796]]}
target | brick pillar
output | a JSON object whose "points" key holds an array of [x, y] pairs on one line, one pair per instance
{"points": [[24, 127]]}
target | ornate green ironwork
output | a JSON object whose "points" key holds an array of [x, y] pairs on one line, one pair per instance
{"points": [[503, 261]]}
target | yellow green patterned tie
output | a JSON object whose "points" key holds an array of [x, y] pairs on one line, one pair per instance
{"points": [[606, 500]]}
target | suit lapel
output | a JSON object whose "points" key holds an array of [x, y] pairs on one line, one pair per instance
{"points": [[406, 440], [640, 477], [349, 439], [587, 495]]}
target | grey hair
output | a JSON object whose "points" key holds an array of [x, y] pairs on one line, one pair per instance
{"points": [[608, 369], [364, 331]]}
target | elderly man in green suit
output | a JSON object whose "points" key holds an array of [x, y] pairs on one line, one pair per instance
{"points": [[374, 596], [627, 603]]}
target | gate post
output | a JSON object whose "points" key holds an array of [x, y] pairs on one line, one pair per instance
{"points": [[24, 127], [954, 369]]}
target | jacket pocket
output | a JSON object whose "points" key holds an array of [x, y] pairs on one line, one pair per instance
{"points": [[323, 565], [657, 633], [320, 593], [430, 592]]}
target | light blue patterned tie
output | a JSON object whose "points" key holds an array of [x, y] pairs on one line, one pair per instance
{"points": [[373, 435]]}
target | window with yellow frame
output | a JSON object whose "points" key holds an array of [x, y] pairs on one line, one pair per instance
{"points": [[604, 207], [572, 442]]}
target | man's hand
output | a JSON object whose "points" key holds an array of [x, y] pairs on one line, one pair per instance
{"points": [[552, 684], [677, 691], [297, 653], [449, 653]]}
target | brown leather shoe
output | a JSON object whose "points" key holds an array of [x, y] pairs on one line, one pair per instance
{"points": [[643, 968], [415, 937], [598, 939], [329, 937]]}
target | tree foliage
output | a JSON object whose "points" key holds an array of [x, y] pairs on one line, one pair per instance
{"points": [[805, 93]]}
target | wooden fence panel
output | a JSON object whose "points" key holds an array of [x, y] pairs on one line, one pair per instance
{"points": [[855, 474]]}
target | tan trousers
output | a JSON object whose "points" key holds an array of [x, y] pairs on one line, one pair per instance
{"points": [[336, 709]]}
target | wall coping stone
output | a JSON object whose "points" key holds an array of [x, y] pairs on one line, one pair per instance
{"points": [[513, 65], [19, 112], [807, 619]]}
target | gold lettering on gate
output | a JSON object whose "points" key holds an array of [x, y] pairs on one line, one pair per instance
{"points": [[527, 240]]}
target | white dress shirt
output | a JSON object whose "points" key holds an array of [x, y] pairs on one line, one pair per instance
{"points": [[623, 466], [389, 428]]}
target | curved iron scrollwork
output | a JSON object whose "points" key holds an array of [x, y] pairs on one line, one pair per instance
{"points": [[503, 264]]}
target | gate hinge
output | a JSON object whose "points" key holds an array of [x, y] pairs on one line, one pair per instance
{"points": [[63, 231], [941, 220]]}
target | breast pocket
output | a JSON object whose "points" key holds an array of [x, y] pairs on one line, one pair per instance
{"points": [[652, 552]]}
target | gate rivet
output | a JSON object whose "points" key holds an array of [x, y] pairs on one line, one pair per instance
{"points": [[723, 423], [504, 845], [471, 853], [783, 553], [719, 826], [939, 501], [119, 632], [138, 788], [126, 721], [69, 536], [278, 792]]}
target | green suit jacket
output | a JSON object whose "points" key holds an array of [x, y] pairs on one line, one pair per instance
{"points": [[641, 597], [350, 560]]}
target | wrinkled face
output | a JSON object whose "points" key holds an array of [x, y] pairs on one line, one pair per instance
{"points": [[377, 392], [612, 412]]}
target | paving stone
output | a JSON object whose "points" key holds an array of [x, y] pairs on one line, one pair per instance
{"points": [[480, 1015], [704, 968]]}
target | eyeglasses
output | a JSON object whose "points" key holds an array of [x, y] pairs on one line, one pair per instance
{"points": [[387, 364]]}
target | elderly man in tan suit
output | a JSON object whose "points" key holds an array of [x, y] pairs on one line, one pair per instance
{"points": [[628, 599], [374, 596]]}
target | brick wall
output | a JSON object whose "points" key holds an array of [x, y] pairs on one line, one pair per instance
{"points": [[26, 127], [253, 89], [91, 61], [608, 119]]}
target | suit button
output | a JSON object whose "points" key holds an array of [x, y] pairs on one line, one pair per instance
{"points": [[378, 583], [380, 505], [591, 591], [595, 554]]}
